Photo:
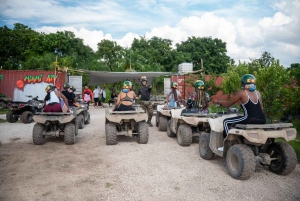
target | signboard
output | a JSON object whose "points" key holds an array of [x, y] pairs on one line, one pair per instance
{"points": [[76, 81]]}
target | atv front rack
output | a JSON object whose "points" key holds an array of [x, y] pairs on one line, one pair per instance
{"points": [[264, 126]]}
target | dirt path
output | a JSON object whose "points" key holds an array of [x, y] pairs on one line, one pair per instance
{"points": [[90, 170]]}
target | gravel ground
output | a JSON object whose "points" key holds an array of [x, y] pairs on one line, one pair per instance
{"points": [[90, 170]]}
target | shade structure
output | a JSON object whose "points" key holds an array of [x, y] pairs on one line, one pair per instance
{"points": [[103, 77]]}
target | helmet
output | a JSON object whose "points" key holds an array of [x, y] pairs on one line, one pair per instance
{"points": [[143, 78], [66, 85], [174, 85], [199, 84], [49, 87], [73, 88], [248, 79], [127, 85]]}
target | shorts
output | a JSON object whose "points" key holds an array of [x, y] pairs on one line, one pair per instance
{"points": [[96, 100]]}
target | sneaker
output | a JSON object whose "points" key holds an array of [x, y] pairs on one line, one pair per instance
{"points": [[221, 148], [150, 124]]}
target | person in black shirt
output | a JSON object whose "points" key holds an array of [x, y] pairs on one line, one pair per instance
{"points": [[144, 92], [68, 93]]}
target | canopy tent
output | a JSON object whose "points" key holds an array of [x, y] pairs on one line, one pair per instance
{"points": [[102, 77]]}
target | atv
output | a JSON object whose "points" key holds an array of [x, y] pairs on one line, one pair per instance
{"points": [[83, 115], [4, 101], [163, 116], [55, 124], [24, 110], [128, 123], [246, 145], [186, 125]]}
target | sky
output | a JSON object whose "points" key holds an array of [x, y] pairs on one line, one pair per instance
{"points": [[249, 28]]}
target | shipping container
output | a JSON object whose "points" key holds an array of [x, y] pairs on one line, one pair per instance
{"points": [[76, 82], [17, 84], [186, 85], [167, 84]]}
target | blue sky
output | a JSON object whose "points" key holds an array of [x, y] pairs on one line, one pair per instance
{"points": [[248, 27]]}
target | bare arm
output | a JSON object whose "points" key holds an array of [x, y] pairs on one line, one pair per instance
{"points": [[232, 101], [261, 102]]}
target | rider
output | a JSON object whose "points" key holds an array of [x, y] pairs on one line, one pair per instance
{"points": [[52, 100], [251, 103], [125, 98], [145, 92], [68, 93], [173, 95], [198, 101]]}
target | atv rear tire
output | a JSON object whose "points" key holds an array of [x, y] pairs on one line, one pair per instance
{"points": [[156, 119], [163, 123], [170, 133], [88, 121], [69, 133], [143, 133], [3, 105], [204, 149], [111, 133], [26, 117], [10, 117], [38, 137], [80, 121], [240, 161], [286, 158], [184, 135]]}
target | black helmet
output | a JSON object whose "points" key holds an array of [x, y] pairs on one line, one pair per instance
{"points": [[143, 78], [49, 87], [66, 85]]}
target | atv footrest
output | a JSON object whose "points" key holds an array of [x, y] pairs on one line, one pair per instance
{"points": [[264, 126]]}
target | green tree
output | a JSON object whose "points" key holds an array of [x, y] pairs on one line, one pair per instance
{"points": [[211, 51]]}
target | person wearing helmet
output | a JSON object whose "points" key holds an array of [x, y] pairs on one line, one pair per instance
{"points": [[52, 100], [125, 98], [69, 94], [251, 103], [173, 96], [87, 95], [198, 101], [145, 93]]}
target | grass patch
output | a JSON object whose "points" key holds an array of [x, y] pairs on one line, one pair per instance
{"points": [[107, 185], [3, 111], [2, 121], [47, 193]]}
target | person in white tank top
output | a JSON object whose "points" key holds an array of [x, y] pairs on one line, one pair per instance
{"points": [[52, 100]]}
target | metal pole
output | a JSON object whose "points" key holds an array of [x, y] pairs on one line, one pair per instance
{"points": [[54, 80]]}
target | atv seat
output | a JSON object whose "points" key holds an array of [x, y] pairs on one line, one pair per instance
{"points": [[53, 113]]}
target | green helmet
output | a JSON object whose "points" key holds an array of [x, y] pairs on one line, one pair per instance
{"points": [[66, 85], [199, 84], [73, 88], [49, 87], [127, 85], [174, 85], [248, 79]]}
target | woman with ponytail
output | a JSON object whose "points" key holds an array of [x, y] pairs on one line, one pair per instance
{"points": [[52, 100]]}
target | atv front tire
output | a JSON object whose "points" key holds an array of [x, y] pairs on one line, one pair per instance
{"points": [[184, 135], [170, 133], [204, 149], [80, 121], [162, 123], [10, 117], [88, 118], [26, 117]]}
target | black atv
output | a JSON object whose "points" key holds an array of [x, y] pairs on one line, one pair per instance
{"points": [[24, 110]]}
